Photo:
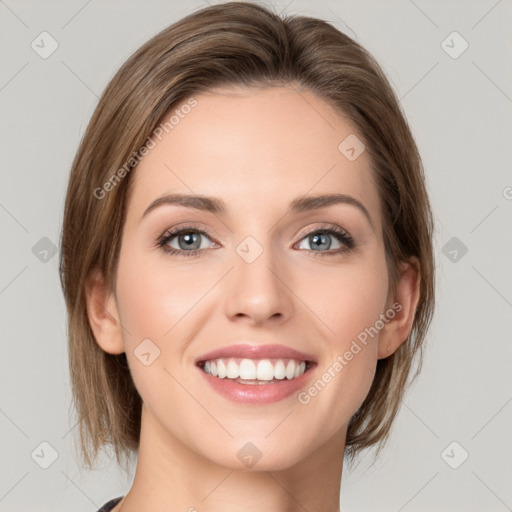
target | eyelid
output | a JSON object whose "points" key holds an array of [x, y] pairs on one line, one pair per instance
{"points": [[325, 225], [188, 227]]}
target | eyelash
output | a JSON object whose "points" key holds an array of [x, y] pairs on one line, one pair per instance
{"points": [[335, 231]]}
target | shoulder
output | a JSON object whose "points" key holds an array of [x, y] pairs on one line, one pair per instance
{"points": [[110, 505]]}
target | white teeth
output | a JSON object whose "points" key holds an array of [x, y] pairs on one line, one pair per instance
{"points": [[221, 369], [265, 370], [300, 369], [290, 369], [252, 370], [279, 370], [247, 369], [233, 372]]}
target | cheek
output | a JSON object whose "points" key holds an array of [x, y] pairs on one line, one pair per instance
{"points": [[154, 297], [153, 302], [346, 299], [349, 306], [163, 303]]}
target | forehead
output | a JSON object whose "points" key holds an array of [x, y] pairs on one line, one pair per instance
{"points": [[255, 148]]}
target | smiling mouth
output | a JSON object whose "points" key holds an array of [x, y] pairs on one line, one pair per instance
{"points": [[255, 371]]}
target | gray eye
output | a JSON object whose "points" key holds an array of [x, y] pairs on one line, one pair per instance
{"points": [[187, 241], [319, 241]]}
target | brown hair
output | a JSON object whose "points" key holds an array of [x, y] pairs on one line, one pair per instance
{"points": [[244, 44]]}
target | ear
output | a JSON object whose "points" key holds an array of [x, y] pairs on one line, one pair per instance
{"points": [[404, 305], [102, 313]]}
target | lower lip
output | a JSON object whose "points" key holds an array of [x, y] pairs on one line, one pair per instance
{"points": [[257, 393]]}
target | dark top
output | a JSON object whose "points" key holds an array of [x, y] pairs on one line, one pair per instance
{"points": [[110, 505]]}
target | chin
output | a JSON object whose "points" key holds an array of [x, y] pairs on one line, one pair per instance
{"points": [[258, 456]]}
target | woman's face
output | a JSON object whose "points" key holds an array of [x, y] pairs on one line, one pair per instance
{"points": [[267, 271]]}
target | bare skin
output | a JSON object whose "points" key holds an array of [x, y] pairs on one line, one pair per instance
{"points": [[257, 150]]}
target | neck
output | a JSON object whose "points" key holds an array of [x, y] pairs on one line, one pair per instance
{"points": [[171, 477]]}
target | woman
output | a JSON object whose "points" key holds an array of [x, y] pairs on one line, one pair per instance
{"points": [[247, 263]]}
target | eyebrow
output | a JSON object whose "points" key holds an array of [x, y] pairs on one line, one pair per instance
{"points": [[217, 206]]}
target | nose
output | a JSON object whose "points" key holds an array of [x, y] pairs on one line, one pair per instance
{"points": [[259, 292]]}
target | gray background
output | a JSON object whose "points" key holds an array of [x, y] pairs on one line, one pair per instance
{"points": [[460, 111]]}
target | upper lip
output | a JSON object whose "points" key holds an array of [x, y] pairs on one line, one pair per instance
{"points": [[250, 351]]}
